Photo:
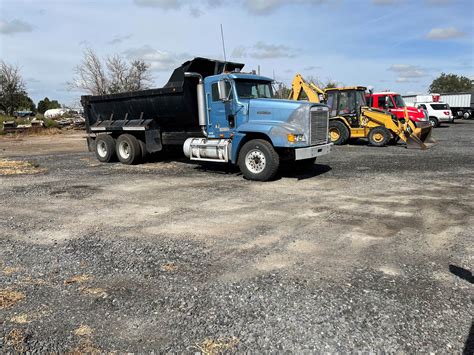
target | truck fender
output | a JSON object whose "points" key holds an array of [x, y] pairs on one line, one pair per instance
{"points": [[240, 139]]}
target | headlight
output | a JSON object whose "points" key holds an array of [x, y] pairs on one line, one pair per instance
{"points": [[293, 138]]}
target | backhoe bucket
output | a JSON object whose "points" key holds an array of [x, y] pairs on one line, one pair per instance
{"points": [[418, 138]]}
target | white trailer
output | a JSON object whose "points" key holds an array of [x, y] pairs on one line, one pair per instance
{"points": [[460, 104]]}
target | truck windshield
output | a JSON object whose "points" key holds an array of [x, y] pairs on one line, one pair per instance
{"points": [[251, 89], [398, 101]]}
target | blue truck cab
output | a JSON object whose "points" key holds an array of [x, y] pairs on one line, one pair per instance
{"points": [[246, 125], [215, 112]]}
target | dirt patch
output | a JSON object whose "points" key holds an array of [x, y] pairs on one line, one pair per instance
{"points": [[19, 167], [8, 298]]}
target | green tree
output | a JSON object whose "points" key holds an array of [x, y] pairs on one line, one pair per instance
{"points": [[12, 88], [450, 83], [46, 104], [25, 103]]}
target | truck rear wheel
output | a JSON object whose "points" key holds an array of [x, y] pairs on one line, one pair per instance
{"points": [[128, 149], [338, 132], [258, 160], [105, 148], [379, 136]]}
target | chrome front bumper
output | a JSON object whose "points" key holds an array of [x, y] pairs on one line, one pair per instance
{"points": [[313, 151]]}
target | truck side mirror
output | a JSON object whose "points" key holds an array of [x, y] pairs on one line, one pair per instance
{"points": [[224, 90]]}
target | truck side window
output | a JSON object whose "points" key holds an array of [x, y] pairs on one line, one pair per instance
{"points": [[215, 91], [381, 101]]}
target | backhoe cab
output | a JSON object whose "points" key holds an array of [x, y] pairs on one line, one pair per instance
{"points": [[351, 118]]}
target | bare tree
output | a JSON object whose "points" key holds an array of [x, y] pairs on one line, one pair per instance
{"points": [[12, 88], [90, 74], [116, 75]]}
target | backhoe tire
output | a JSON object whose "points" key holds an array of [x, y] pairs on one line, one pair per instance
{"points": [[338, 132], [105, 148], [434, 122], [128, 149], [258, 160], [379, 136]]}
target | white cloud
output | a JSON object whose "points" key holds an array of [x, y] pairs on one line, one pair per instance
{"points": [[445, 33], [158, 60], [407, 73], [263, 50], [264, 7], [162, 4], [14, 26]]}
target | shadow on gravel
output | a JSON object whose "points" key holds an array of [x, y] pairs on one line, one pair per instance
{"points": [[461, 273], [467, 276]]}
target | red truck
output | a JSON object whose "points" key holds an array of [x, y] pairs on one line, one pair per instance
{"points": [[393, 103]]}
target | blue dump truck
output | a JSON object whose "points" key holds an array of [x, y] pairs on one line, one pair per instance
{"points": [[216, 113]]}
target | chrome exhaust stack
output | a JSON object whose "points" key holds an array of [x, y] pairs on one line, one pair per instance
{"points": [[201, 101]]}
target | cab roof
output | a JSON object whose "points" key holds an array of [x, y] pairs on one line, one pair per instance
{"points": [[345, 88]]}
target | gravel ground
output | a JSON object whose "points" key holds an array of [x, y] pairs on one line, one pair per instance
{"points": [[371, 250]]}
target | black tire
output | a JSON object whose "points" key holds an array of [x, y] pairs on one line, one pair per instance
{"points": [[105, 148], [338, 132], [251, 154], [379, 136], [143, 150], [434, 122], [128, 149]]}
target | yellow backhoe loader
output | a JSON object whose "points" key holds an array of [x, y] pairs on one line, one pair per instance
{"points": [[350, 117]]}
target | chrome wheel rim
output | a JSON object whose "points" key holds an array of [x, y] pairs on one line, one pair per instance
{"points": [[124, 150], [102, 149], [255, 161]]}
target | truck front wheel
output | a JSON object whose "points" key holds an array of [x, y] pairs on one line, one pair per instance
{"points": [[128, 149], [105, 148], [258, 160]]}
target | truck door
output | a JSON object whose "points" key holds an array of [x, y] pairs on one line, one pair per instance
{"points": [[221, 120]]}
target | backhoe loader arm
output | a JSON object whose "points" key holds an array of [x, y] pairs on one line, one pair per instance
{"points": [[299, 85]]}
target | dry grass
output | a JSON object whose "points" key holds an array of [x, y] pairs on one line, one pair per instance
{"points": [[21, 319], [78, 279], [11, 270], [30, 281], [211, 346], [19, 167], [83, 330], [94, 291], [169, 267], [85, 346], [16, 339], [9, 297]]}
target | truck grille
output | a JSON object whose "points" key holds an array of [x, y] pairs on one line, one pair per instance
{"points": [[318, 126]]}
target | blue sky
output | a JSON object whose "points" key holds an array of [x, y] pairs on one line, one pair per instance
{"points": [[399, 45]]}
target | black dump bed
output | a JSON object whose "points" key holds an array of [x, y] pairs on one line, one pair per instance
{"points": [[171, 108]]}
